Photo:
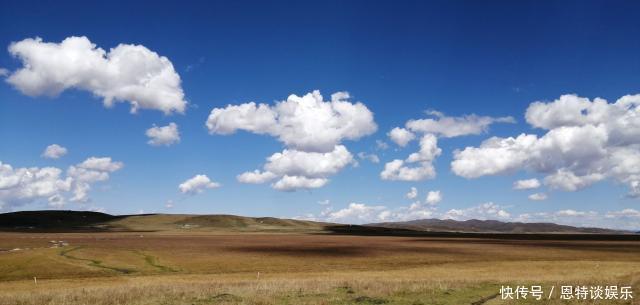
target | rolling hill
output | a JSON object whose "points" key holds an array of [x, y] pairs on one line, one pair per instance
{"points": [[60, 221], [78, 221]]}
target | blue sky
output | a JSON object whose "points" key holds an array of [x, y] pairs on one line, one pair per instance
{"points": [[398, 59]]}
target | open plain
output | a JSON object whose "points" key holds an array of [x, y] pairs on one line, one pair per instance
{"points": [[299, 264]]}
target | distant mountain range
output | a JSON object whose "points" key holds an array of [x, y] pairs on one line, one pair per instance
{"points": [[489, 226], [66, 221]]}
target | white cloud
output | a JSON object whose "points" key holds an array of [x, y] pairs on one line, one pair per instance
{"points": [[97, 209], [626, 219], [634, 189], [299, 168], [429, 150], [538, 196], [164, 135], [256, 177], [54, 151], [88, 172], [412, 194], [438, 125], [127, 73], [197, 184], [626, 213], [483, 211], [449, 127], [311, 129], [527, 184], [309, 164], [570, 110], [21, 186], [356, 213], [304, 123], [104, 164], [401, 136], [494, 156], [24, 185], [586, 142], [4, 72], [570, 212], [398, 169], [414, 211], [568, 181], [373, 158], [291, 183], [433, 197]]}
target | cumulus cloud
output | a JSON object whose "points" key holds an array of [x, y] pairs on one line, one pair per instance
{"points": [[483, 211], [88, 172], [571, 110], [164, 135], [4, 72], [527, 184], [586, 142], [399, 169], [356, 213], [414, 211], [494, 156], [433, 197], [104, 164], [312, 130], [401, 136], [54, 151], [291, 183], [309, 164], [412, 194], [538, 196], [126, 73], [568, 181], [19, 186], [429, 150], [197, 184], [396, 170], [437, 125], [256, 177], [306, 123], [449, 127]]}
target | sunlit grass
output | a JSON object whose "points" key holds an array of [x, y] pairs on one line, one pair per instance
{"points": [[299, 269]]}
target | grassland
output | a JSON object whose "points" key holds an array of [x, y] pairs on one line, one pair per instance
{"points": [[249, 266]]}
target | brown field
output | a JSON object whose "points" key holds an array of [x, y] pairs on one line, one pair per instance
{"points": [[246, 268]]}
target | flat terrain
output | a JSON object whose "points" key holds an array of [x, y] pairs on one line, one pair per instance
{"points": [[198, 267]]}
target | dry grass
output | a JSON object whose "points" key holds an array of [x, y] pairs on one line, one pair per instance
{"points": [[298, 269]]}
